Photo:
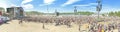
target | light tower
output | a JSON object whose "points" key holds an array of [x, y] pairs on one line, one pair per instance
{"points": [[56, 12], [99, 7], [75, 10]]}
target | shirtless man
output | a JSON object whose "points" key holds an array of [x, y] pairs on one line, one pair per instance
{"points": [[119, 27]]}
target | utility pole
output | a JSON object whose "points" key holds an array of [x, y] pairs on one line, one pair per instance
{"points": [[75, 10], [99, 7]]}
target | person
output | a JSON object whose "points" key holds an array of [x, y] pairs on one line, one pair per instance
{"points": [[1, 19], [119, 27], [103, 30], [79, 27], [20, 21], [100, 28]]}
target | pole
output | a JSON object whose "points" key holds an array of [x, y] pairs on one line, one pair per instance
{"points": [[98, 16], [75, 10], [98, 8], [47, 9]]}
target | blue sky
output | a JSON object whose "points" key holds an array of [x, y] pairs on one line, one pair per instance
{"points": [[61, 5]]}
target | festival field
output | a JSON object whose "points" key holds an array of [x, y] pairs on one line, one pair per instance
{"points": [[13, 26]]}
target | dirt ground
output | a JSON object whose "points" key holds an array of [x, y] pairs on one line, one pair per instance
{"points": [[13, 26]]}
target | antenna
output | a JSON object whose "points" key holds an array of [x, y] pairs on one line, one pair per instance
{"points": [[75, 10]]}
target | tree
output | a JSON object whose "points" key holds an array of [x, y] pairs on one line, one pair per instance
{"points": [[117, 13], [33, 13], [85, 13]]}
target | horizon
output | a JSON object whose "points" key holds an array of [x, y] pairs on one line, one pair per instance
{"points": [[61, 6]]}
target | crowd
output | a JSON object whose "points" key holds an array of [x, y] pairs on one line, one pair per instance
{"points": [[67, 20]]}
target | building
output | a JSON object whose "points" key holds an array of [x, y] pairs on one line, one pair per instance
{"points": [[15, 11]]}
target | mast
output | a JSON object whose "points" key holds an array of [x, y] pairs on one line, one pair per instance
{"points": [[99, 7], [75, 10]]}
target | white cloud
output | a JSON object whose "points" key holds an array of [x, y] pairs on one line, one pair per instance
{"points": [[26, 1], [28, 6], [107, 8], [13, 5], [48, 1], [6, 3], [3, 4], [70, 2], [86, 5], [81, 5], [43, 4]]}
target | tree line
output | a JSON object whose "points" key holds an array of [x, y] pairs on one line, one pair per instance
{"points": [[117, 13], [63, 13]]}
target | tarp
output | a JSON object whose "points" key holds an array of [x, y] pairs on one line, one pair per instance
{"points": [[0, 13]]}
